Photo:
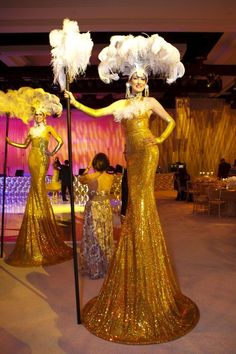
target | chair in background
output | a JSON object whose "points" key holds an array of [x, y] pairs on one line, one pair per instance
{"points": [[200, 198], [214, 200]]}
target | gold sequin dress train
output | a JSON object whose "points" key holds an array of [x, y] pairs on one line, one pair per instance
{"points": [[39, 241], [140, 301]]}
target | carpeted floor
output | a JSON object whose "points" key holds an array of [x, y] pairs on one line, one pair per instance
{"points": [[37, 305]]}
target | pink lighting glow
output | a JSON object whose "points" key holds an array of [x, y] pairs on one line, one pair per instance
{"points": [[89, 136]]}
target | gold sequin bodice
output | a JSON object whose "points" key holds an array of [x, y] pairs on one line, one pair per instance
{"points": [[136, 130]]}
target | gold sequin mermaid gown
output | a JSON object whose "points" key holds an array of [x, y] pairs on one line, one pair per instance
{"points": [[39, 241], [140, 301]]}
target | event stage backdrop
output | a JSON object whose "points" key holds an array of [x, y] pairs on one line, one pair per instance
{"points": [[205, 132]]}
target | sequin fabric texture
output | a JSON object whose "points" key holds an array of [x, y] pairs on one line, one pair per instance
{"points": [[97, 243], [140, 301], [39, 241]]}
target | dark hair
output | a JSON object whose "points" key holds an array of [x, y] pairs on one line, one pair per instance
{"points": [[100, 162], [118, 169]]}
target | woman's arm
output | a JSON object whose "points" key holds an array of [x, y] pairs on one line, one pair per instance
{"points": [[57, 138], [21, 146], [162, 113], [86, 178], [96, 113], [87, 169]]}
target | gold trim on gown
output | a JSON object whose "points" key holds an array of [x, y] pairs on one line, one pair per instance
{"points": [[39, 241], [140, 301]]}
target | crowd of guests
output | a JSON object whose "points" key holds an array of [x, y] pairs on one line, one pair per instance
{"points": [[182, 177]]}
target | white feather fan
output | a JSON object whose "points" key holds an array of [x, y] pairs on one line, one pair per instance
{"points": [[71, 52]]}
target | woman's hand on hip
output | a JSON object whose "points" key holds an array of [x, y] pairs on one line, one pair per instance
{"points": [[151, 140]]}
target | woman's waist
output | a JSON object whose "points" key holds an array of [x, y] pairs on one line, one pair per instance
{"points": [[137, 128], [98, 195], [137, 141], [39, 147], [39, 142]]}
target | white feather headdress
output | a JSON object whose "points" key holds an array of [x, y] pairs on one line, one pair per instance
{"points": [[71, 51], [152, 53]]}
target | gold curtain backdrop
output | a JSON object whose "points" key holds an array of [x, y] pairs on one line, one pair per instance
{"points": [[205, 133]]}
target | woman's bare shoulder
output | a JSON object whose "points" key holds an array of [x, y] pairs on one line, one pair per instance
{"points": [[119, 103], [49, 127], [151, 100]]}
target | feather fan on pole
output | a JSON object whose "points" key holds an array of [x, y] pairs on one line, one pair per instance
{"points": [[71, 51], [70, 56]]}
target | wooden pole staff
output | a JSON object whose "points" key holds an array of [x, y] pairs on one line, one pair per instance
{"points": [[4, 186], [74, 241]]}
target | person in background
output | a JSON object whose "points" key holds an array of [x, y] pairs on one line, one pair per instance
{"points": [[55, 184], [223, 169], [39, 242], [97, 245], [111, 170], [232, 171], [181, 177], [64, 177]]}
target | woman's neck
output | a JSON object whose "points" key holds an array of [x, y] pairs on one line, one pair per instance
{"points": [[40, 124], [136, 95]]}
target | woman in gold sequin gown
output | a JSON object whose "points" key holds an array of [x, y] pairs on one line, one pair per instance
{"points": [[39, 241], [140, 301], [55, 184], [97, 245]]}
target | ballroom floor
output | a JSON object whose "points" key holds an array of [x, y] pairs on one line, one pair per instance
{"points": [[37, 304]]}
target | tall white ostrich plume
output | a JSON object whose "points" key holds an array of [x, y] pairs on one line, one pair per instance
{"points": [[71, 52]]}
